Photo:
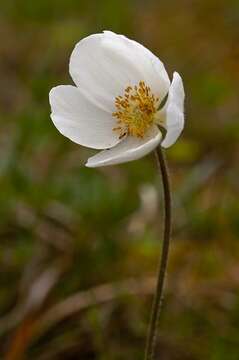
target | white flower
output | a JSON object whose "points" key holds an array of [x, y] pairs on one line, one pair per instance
{"points": [[115, 104]]}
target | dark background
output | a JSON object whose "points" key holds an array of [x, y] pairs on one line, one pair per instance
{"points": [[66, 230]]}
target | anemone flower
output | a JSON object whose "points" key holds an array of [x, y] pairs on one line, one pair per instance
{"points": [[123, 102]]}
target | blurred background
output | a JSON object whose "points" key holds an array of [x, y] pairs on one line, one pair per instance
{"points": [[79, 247]]}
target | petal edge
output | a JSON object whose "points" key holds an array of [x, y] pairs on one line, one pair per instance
{"points": [[174, 111], [129, 149]]}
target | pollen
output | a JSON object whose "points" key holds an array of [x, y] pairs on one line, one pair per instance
{"points": [[135, 110]]}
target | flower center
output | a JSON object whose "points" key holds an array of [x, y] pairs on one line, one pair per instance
{"points": [[135, 110]]}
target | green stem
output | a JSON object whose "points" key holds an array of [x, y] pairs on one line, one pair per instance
{"points": [[158, 298]]}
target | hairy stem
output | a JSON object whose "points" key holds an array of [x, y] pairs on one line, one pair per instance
{"points": [[157, 303]]}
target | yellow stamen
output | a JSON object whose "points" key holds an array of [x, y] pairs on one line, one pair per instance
{"points": [[135, 111]]}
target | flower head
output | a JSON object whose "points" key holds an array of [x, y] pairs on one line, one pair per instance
{"points": [[116, 104]]}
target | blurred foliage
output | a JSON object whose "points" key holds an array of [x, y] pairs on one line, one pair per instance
{"points": [[65, 228]]}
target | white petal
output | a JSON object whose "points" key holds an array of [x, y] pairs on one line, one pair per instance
{"points": [[80, 120], [131, 148], [103, 65], [174, 111], [152, 69]]}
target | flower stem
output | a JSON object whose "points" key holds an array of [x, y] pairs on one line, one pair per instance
{"points": [[158, 298]]}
